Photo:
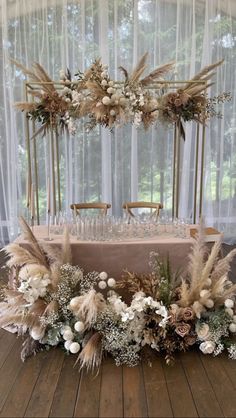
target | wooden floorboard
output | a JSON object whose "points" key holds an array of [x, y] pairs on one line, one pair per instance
{"points": [[47, 385]]}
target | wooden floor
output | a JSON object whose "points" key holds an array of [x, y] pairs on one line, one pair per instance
{"points": [[48, 385]]}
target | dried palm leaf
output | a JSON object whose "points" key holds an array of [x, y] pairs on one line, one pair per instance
{"points": [[212, 259], [91, 355], [19, 255], [25, 70], [157, 73], [222, 267], [88, 306], [35, 247], [139, 69], [205, 71], [30, 347]]}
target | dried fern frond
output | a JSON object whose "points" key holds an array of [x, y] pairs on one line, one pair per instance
{"points": [[35, 247], [26, 71], [91, 355], [157, 73], [139, 69], [134, 282]]}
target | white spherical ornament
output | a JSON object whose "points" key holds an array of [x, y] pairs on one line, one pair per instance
{"points": [[79, 326], [74, 348], [229, 303], [74, 302], [209, 303], [103, 275], [106, 100], [229, 311], [232, 327], [234, 318], [102, 285], [68, 335], [111, 282], [67, 344], [104, 82], [111, 83], [65, 328], [110, 90]]}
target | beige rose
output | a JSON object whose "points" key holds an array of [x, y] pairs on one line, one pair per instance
{"points": [[182, 329], [187, 314], [190, 339], [203, 331]]}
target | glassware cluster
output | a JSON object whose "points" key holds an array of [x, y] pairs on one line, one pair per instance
{"points": [[110, 228]]}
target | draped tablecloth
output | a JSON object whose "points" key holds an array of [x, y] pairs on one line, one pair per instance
{"points": [[116, 256]]}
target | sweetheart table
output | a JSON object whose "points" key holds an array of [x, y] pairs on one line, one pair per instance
{"points": [[116, 256]]}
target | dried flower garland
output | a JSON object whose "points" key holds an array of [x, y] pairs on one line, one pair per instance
{"points": [[52, 303], [141, 101]]}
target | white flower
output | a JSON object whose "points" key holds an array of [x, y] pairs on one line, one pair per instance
{"points": [[65, 90], [111, 90], [102, 284], [106, 100], [103, 275], [104, 83], [127, 315], [65, 328], [35, 282], [68, 335], [229, 311], [203, 331], [98, 104], [229, 303], [67, 344], [122, 101], [74, 302], [232, 327], [204, 293], [37, 333], [74, 348], [112, 112], [207, 347], [62, 74], [79, 326], [234, 318], [111, 282], [111, 83]]}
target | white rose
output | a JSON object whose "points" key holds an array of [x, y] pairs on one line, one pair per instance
{"points": [[207, 347], [203, 331], [229, 303], [79, 326], [102, 285], [103, 275], [111, 282], [74, 348], [232, 327], [68, 335]]}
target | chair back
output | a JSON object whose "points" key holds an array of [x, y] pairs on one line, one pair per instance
{"points": [[92, 205], [152, 205]]}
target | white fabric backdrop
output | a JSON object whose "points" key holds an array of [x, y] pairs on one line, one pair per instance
{"points": [[128, 164]]}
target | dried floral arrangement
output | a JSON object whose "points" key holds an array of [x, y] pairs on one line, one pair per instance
{"points": [[50, 303], [137, 100]]}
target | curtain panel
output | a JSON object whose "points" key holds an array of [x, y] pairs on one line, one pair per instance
{"points": [[127, 163]]}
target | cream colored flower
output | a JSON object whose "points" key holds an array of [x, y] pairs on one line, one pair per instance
{"points": [[203, 331], [207, 347]]}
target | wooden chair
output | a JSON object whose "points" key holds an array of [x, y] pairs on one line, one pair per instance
{"points": [[93, 205], [152, 205]]}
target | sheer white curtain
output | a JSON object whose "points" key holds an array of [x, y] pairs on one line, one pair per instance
{"points": [[127, 164]]}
